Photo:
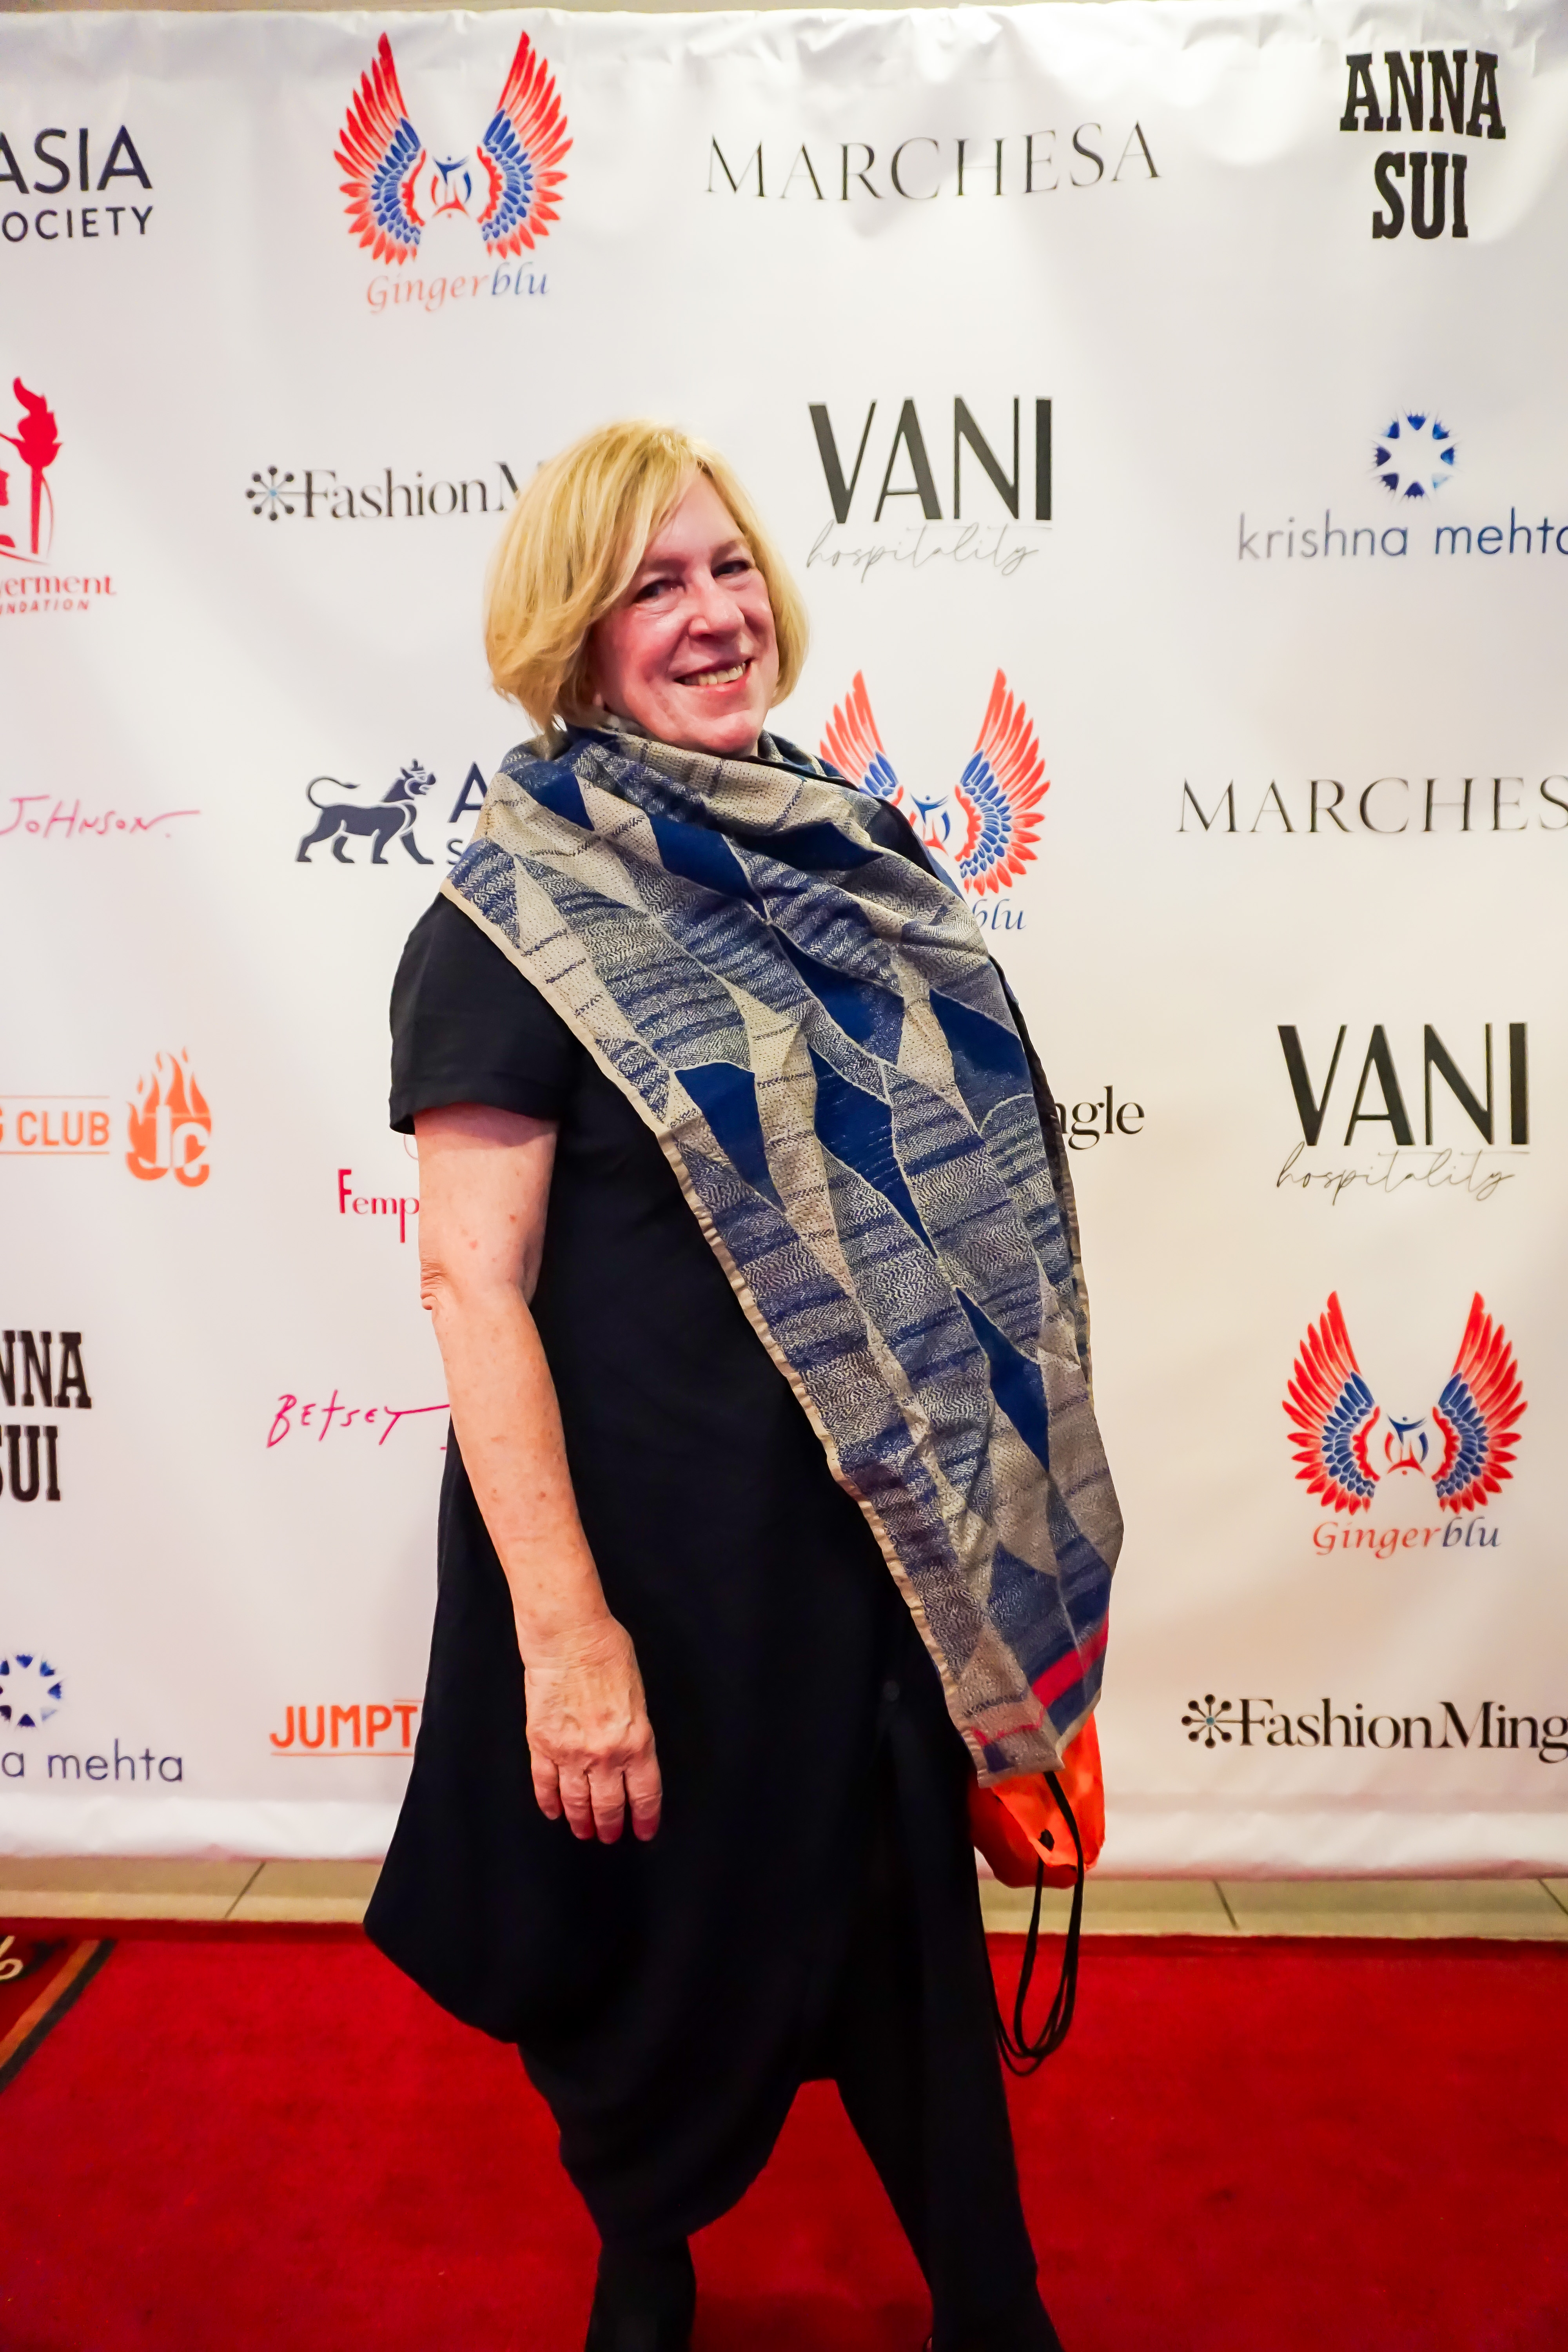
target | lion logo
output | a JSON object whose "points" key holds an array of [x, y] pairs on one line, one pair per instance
{"points": [[385, 821]]}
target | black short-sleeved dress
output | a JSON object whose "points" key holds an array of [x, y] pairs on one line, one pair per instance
{"points": [[668, 1998]]}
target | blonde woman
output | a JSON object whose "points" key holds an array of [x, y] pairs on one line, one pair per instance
{"points": [[774, 1498]]}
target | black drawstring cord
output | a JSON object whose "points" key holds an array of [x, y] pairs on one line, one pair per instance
{"points": [[1021, 2055]]}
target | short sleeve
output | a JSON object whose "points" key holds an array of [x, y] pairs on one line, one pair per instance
{"points": [[468, 1027]]}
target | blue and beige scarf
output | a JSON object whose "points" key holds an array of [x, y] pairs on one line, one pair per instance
{"points": [[813, 1029]]}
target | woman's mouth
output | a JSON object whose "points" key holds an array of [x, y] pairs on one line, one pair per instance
{"points": [[729, 675]]}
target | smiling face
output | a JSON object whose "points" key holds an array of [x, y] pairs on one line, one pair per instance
{"points": [[689, 654]]}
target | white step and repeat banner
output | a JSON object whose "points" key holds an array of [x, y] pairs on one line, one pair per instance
{"points": [[1164, 401]]}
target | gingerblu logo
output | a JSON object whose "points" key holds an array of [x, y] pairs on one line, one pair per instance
{"points": [[1388, 1151], [320, 494], [1434, 178], [50, 1375], [984, 828], [923, 169], [28, 583], [403, 197], [91, 166], [999, 500], [1210, 1722], [169, 1126], [31, 1690], [1459, 1450], [381, 1729]]}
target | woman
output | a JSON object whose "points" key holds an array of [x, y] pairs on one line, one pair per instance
{"points": [[753, 1285]]}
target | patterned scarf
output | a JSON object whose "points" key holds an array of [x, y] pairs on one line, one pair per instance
{"points": [[812, 1027]]}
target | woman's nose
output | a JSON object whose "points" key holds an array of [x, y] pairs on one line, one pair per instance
{"points": [[716, 606]]}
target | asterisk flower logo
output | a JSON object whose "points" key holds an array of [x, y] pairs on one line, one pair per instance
{"points": [[1416, 457], [1205, 1720], [268, 494]]}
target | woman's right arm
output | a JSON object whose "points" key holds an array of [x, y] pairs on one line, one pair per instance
{"points": [[484, 1190]]}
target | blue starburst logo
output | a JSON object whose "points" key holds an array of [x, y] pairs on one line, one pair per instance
{"points": [[30, 1690], [1415, 457]]}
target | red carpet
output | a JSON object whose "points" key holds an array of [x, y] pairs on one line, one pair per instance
{"points": [[1280, 2148]]}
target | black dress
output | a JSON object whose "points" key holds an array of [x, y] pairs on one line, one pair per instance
{"points": [[808, 1906]]}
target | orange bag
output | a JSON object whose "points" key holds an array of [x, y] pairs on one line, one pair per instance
{"points": [[1019, 1826], [1042, 1829]]}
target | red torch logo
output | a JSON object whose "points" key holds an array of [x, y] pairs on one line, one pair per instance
{"points": [[36, 442]]}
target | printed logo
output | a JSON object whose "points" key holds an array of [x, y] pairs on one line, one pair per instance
{"points": [[1435, 178], [30, 511], [36, 442], [1214, 1722], [57, 1381], [342, 821], [921, 170], [392, 1206], [509, 187], [170, 1125], [1415, 457], [1464, 1445], [1099, 1120], [1388, 805], [1380, 1101], [31, 1690], [982, 541], [293, 1419], [45, 816], [54, 1127], [380, 823], [984, 828], [85, 222], [318, 493], [362, 1730]]}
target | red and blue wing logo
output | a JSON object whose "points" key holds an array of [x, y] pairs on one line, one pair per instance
{"points": [[999, 797], [519, 153], [513, 178], [1479, 1415], [1332, 1412], [851, 744], [382, 154]]}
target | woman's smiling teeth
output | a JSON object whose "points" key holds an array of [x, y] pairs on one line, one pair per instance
{"points": [[717, 676]]}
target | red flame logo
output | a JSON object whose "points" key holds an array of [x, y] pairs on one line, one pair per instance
{"points": [[170, 1125], [36, 442]]}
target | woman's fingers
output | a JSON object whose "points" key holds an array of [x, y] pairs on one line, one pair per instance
{"points": [[644, 1792], [607, 1791], [590, 1741], [546, 1784]]}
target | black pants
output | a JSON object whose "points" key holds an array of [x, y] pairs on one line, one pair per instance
{"points": [[911, 2045]]}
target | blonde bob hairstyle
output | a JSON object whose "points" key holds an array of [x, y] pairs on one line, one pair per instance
{"points": [[573, 541]]}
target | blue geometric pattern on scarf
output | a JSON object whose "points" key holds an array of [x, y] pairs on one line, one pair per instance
{"points": [[811, 1026]]}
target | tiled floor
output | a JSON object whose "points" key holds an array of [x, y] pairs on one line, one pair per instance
{"points": [[1532, 1907], [337, 1891]]}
